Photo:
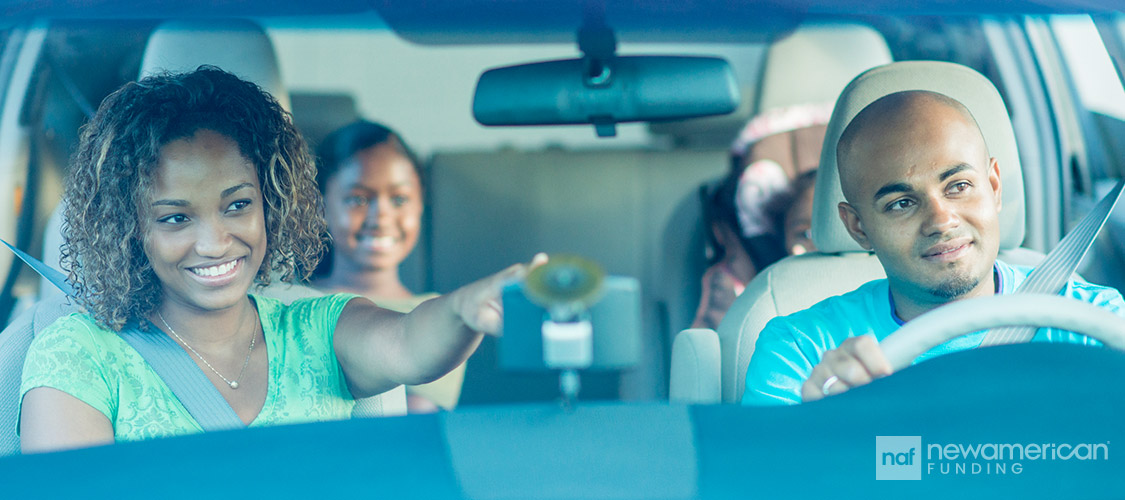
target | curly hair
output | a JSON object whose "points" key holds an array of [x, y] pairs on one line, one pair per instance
{"points": [[110, 180]]}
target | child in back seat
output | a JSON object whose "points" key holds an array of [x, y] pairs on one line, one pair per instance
{"points": [[757, 214]]}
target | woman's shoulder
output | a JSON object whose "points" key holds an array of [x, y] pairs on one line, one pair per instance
{"points": [[79, 327], [303, 310], [72, 342], [270, 302], [403, 305]]}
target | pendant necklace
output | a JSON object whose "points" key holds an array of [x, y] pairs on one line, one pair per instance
{"points": [[232, 383]]}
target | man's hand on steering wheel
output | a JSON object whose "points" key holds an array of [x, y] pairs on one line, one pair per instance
{"points": [[857, 361]]}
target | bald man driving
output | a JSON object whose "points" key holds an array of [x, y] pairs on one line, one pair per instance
{"points": [[922, 193]]}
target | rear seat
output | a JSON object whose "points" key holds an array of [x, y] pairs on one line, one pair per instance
{"points": [[489, 209], [317, 114]]}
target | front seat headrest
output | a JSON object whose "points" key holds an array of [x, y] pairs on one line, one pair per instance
{"points": [[239, 47]]}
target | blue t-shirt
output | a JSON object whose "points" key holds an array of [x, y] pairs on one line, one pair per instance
{"points": [[790, 346]]}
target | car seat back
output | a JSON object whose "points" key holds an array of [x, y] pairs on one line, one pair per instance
{"points": [[14, 341]]}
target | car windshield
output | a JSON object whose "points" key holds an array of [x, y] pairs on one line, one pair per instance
{"points": [[653, 194]]}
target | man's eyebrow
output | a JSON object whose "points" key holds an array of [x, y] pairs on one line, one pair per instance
{"points": [[229, 191], [896, 187], [902, 187], [953, 171]]}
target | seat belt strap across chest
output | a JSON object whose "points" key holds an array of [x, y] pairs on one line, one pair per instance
{"points": [[170, 361], [1052, 275], [186, 380]]}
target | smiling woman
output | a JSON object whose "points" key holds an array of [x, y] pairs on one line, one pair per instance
{"points": [[146, 126], [187, 190]]}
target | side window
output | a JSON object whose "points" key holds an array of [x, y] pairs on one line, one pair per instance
{"points": [[74, 64], [953, 39], [1102, 116], [1094, 76], [1099, 91]]}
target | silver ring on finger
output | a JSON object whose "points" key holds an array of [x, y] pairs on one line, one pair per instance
{"points": [[828, 384]]}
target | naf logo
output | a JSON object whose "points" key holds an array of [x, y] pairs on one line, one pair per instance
{"points": [[898, 458]]}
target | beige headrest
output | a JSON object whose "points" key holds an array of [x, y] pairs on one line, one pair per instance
{"points": [[816, 61], [954, 80], [239, 47]]}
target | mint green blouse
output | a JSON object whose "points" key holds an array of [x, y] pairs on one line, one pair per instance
{"points": [[95, 365]]}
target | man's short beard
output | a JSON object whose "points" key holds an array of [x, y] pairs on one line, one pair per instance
{"points": [[956, 287]]}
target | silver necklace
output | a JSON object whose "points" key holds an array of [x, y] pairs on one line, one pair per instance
{"points": [[232, 383]]}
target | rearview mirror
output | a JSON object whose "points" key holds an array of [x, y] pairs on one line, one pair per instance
{"points": [[624, 89]]}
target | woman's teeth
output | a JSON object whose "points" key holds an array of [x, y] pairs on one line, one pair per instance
{"points": [[212, 271], [378, 242]]}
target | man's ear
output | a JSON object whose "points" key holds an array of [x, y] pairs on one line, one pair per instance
{"points": [[994, 181], [854, 226]]}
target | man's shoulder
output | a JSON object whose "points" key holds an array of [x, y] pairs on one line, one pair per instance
{"points": [[839, 312], [1076, 288], [1099, 295]]}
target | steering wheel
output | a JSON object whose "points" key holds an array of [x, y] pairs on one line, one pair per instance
{"points": [[967, 316]]}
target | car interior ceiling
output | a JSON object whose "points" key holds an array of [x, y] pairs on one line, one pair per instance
{"points": [[633, 209]]}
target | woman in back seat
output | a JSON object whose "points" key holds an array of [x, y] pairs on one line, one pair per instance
{"points": [[186, 190], [373, 201]]}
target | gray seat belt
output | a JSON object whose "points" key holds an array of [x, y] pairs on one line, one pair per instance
{"points": [[53, 275], [170, 362], [188, 382], [1052, 275]]}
